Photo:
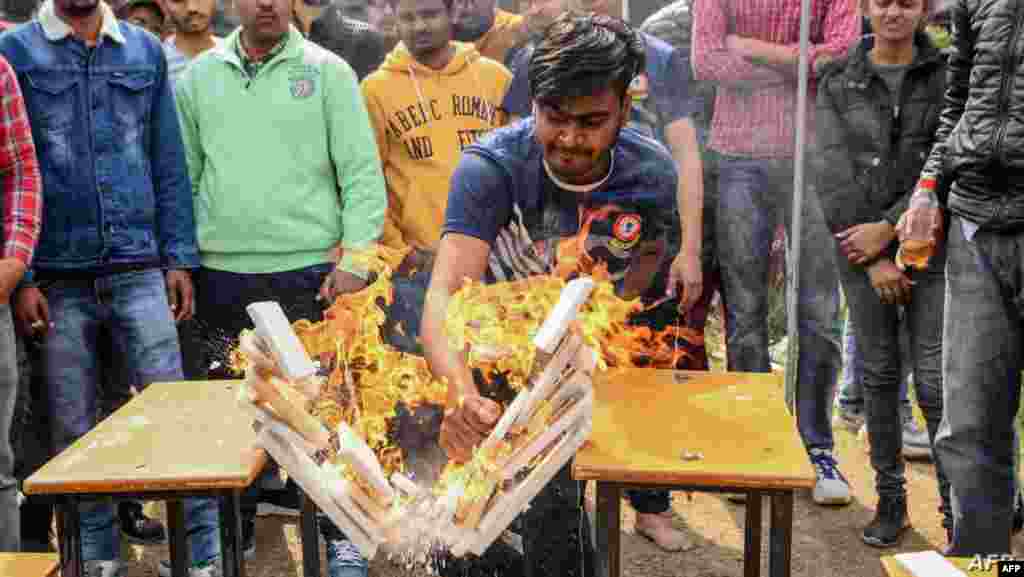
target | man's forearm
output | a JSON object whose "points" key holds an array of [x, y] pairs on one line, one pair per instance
{"points": [[777, 56], [690, 199], [682, 139], [783, 58], [444, 363]]}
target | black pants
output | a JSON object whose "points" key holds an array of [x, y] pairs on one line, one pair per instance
{"points": [[221, 298], [878, 331]]}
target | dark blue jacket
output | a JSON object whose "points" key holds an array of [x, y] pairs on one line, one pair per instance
{"points": [[115, 185]]}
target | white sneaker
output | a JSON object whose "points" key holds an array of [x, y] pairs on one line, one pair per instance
{"points": [[915, 441], [102, 568], [831, 487]]}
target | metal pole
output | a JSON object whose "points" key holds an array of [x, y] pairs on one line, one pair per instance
{"points": [[795, 230], [625, 11]]}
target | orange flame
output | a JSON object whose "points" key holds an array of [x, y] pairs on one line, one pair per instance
{"points": [[495, 323]]}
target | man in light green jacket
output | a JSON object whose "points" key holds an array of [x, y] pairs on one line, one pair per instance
{"points": [[284, 169]]}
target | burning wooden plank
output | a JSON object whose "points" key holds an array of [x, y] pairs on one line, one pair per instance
{"points": [[573, 416], [364, 464], [539, 432], [266, 390], [279, 338], [308, 475], [507, 505]]}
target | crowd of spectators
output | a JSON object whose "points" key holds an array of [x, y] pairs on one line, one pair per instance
{"points": [[166, 162]]}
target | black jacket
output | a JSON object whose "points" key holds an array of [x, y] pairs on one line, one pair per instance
{"points": [[868, 158], [982, 162], [354, 41]]}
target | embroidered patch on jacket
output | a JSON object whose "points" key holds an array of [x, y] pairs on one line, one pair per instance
{"points": [[626, 231], [302, 81]]}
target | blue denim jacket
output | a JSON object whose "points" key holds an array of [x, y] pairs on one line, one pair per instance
{"points": [[116, 189]]}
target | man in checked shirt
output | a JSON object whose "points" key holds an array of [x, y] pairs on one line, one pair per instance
{"points": [[22, 210], [750, 48]]}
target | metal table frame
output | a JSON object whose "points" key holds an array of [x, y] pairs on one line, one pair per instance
{"points": [[780, 536], [70, 538]]}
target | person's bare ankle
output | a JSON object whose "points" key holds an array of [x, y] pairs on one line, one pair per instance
{"points": [[657, 527]]}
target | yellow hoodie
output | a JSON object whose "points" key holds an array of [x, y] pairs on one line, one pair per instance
{"points": [[507, 31], [423, 118]]}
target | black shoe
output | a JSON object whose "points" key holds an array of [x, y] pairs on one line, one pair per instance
{"points": [[137, 527], [890, 521]]}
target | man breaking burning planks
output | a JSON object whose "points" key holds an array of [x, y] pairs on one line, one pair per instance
{"points": [[516, 194]]}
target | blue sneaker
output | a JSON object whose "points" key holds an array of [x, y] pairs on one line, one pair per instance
{"points": [[831, 487]]}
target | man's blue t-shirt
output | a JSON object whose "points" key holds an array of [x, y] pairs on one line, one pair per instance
{"points": [[661, 94], [502, 194]]}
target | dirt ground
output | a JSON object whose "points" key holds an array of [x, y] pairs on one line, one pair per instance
{"points": [[826, 541]]}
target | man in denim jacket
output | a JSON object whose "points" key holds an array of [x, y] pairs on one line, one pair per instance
{"points": [[118, 236]]}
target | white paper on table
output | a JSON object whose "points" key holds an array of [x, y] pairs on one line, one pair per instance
{"points": [[928, 564]]}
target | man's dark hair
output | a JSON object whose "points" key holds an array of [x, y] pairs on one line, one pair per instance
{"points": [[582, 54]]}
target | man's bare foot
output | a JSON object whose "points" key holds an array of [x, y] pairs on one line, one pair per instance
{"points": [[658, 528]]}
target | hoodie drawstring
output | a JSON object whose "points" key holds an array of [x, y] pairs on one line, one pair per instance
{"points": [[416, 84]]}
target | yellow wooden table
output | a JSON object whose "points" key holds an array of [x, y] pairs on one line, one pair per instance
{"points": [[894, 569], [28, 565], [170, 442], [696, 431]]}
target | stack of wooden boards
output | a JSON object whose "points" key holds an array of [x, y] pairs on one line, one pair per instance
{"points": [[537, 435]]}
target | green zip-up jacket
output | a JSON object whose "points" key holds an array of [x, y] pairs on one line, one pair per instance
{"points": [[284, 165]]}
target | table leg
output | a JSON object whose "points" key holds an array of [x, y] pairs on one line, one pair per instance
{"points": [[608, 515], [310, 538], [781, 539], [232, 555], [752, 536], [70, 538], [176, 538]]}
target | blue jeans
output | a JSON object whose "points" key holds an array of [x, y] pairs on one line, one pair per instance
{"points": [[982, 360], [851, 386], [221, 298], [753, 195], [10, 519], [133, 309]]}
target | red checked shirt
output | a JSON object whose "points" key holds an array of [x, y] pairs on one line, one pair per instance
{"points": [[755, 105], [19, 172]]}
